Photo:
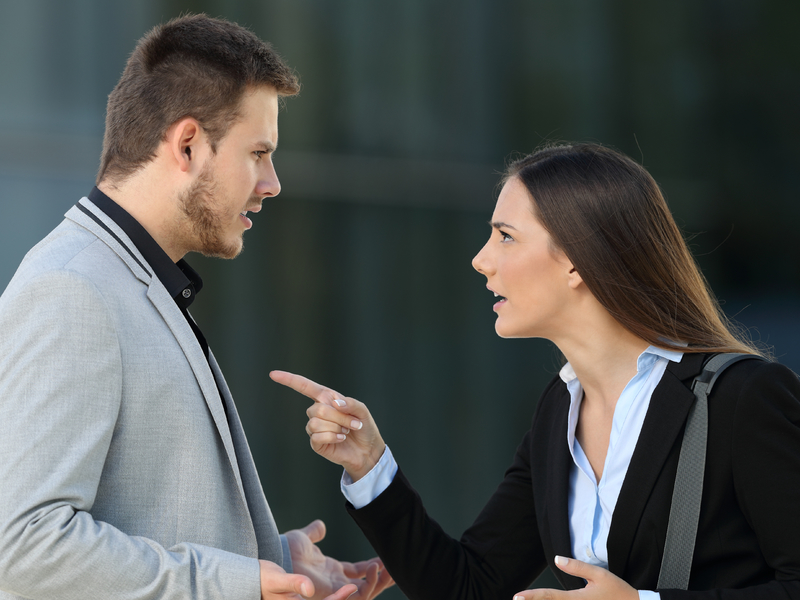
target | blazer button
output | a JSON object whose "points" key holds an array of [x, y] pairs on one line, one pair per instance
{"points": [[187, 292]]}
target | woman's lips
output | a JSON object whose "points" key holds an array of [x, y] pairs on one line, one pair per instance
{"points": [[500, 302]]}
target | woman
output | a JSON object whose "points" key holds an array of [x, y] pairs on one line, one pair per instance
{"points": [[585, 253]]}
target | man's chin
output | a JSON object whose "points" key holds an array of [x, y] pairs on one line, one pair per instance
{"points": [[222, 250]]}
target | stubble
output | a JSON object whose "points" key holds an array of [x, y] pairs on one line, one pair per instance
{"points": [[205, 220]]}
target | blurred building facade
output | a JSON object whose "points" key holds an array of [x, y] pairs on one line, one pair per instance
{"points": [[359, 274]]}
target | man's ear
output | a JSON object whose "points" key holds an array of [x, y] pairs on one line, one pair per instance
{"points": [[183, 142]]}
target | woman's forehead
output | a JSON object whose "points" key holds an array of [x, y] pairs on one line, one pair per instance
{"points": [[513, 203]]}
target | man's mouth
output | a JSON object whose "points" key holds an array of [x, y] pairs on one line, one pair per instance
{"points": [[246, 221], [254, 207]]}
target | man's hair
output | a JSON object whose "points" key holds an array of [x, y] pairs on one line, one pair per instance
{"points": [[193, 66]]}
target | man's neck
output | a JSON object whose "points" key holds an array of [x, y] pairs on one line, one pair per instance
{"points": [[150, 204]]}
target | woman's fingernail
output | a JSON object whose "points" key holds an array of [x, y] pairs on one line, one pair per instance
{"points": [[345, 430], [356, 424], [339, 401], [341, 437], [562, 561], [519, 598]]}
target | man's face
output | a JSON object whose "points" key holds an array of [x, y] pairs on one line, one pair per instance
{"points": [[235, 180]]}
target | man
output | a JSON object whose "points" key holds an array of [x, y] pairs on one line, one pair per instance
{"points": [[124, 469]]}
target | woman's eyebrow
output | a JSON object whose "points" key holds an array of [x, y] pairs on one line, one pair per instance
{"points": [[500, 224]]}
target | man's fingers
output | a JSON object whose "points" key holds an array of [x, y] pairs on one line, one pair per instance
{"points": [[303, 586], [366, 588], [359, 569], [315, 531], [385, 580], [343, 592], [376, 577], [355, 570], [274, 580], [372, 572]]}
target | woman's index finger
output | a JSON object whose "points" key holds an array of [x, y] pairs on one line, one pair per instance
{"points": [[299, 384]]}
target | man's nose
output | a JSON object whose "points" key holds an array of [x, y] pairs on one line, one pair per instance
{"points": [[268, 182]]}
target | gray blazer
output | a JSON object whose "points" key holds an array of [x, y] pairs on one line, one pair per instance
{"points": [[120, 475]]}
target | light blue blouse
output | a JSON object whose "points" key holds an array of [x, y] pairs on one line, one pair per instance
{"points": [[591, 503]]}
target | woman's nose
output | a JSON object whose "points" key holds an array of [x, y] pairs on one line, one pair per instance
{"points": [[481, 261]]}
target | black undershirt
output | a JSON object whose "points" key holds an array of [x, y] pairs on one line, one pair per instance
{"points": [[181, 281]]}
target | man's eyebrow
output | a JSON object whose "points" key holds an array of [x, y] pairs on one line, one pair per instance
{"points": [[268, 146], [500, 224]]}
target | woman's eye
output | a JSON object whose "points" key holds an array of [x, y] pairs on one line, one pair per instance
{"points": [[505, 237]]}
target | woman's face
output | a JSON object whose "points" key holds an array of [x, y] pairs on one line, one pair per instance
{"points": [[530, 278]]}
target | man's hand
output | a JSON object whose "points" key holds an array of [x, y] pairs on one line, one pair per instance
{"points": [[600, 584], [365, 579], [277, 584]]}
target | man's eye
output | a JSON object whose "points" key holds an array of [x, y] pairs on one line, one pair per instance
{"points": [[259, 153]]}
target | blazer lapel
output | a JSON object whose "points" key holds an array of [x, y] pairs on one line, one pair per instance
{"points": [[558, 470], [558, 481], [200, 366], [90, 217], [267, 533], [663, 424]]}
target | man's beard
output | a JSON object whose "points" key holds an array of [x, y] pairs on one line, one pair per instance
{"points": [[206, 222]]}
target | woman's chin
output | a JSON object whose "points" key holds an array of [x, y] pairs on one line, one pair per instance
{"points": [[504, 331], [508, 331]]}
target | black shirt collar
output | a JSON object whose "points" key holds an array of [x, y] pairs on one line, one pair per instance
{"points": [[181, 280]]}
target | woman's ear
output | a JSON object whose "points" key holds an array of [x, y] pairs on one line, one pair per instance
{"points": [[574, 278]]}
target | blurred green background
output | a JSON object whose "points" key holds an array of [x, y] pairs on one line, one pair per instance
{"points": [[358, 274]]}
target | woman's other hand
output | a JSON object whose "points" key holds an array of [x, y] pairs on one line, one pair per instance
{"points": [[341, 429], [600, 584]]}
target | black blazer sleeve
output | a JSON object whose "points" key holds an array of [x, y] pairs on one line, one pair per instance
{"points": [[497, 556], [748, 542], [500, 554]]}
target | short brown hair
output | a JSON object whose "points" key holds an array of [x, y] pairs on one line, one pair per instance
{"points": [[608, 215], [194, 66]]}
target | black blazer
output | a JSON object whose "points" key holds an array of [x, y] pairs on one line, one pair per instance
{"points": [[748, 540]]}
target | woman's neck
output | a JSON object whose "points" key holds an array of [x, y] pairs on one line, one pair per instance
{"points": [[604, 356]]}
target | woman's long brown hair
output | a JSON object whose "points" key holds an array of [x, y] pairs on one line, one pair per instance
{"points": [[608, 215]]}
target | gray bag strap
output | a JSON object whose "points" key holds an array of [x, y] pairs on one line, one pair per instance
{"points": [[688, 491]]}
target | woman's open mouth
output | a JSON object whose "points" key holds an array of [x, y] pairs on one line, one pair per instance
{"points": [[501, 300]]}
